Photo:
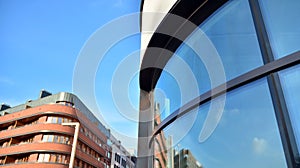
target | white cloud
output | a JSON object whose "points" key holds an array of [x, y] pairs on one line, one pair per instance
{"points": [[6, 81], [259, 145], [234, 111]]}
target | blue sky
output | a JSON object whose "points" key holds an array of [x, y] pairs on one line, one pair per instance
{"points": [[41, 40]]}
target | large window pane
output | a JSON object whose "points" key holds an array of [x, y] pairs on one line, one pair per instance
{"points": [[290, 80], [282, 22], [230, 32], [247, 134]]}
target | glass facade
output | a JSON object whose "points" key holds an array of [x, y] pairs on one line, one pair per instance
{"points": [[250, 128], [282, 25], [246, 136], [290, 79], [231, 31]]}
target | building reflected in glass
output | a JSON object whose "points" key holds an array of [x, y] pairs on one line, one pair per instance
{"points": [[223, 82]]}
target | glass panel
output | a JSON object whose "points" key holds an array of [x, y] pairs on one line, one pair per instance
{"points": [[290, 80], [282, 22], [228, 48], [50, 138], [49, 119], [232, 32], [46, 157], [45, 138], [62, 139], [54, 119], [68, 140], [63, 159], [58, 158], [59, 120], [55, 138], [41, 157], [246, 136]]}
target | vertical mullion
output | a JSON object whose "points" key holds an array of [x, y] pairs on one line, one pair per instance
{"points": [[281, 111], [283, 118]]}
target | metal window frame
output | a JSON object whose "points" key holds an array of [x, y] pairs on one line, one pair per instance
{"points": [[235, 83], [281, 111]]}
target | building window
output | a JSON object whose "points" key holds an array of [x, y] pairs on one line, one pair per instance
{"points": [[117, 158], [21, 159], [76, 163], [88, 150], [50, 138], [49, 119], [46, 158], [41, 157], [283, 29], [290, 79], [2, 159], [123, 163], [54, 120], [53, 157], [29, 140], [56, 139], [83, 148], [58, 120]]}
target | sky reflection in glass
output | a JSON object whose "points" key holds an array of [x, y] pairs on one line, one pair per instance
{"points": [[282, 22], [290, 80], [232, 33], [247, 135]]}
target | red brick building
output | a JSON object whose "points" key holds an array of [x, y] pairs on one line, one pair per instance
{"points": [[34, 135]]}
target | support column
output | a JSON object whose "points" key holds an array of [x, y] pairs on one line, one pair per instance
{"points": [[146, 126]]}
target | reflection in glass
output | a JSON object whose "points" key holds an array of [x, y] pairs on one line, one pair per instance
{"points": [[290, 80], [282, 22], [231, 32], [247, 134]]}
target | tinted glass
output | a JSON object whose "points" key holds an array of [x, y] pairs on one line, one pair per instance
{"points": [[290, 80], [224, 47], [282, 22], [246, 136]]}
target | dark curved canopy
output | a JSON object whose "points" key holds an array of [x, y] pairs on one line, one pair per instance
{"points": [[196, 11]]}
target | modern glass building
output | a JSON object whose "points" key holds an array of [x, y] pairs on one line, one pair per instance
{"points": [[226, 75]]}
